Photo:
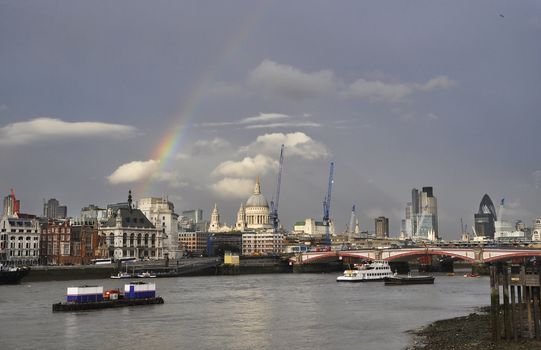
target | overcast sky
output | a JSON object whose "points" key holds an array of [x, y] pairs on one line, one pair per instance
{"points": [[399, 94]]}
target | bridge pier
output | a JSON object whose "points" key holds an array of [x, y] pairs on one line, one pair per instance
{"points": [[480, 268], [400, 267]]}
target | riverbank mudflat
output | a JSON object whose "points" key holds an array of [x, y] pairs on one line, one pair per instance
{"points": [[465, 333]]}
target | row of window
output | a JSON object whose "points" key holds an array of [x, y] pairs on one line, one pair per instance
{"points": [[28, 238], [26, 253], [20, 231], [20, 245], [57, 230], [20, 223]]}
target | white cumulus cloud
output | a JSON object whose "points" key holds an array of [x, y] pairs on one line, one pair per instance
{"points": [[247, 167], [134, 171], [42, 129], [233, 187], [142, 170], [296, 144], [290, 82]]}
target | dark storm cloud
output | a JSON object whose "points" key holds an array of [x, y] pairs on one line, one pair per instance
{"points": [[401, 95]]}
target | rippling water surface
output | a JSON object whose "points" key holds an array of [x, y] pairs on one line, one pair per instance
{"points": [[281, 311]]}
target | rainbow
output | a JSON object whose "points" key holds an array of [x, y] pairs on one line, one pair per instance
{"points": [[171, 143]]}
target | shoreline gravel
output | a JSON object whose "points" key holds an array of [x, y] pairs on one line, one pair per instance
{"points": [[464, 333]]}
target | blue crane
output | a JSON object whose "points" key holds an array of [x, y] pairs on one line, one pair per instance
{"points": [[327, 206], [274, 204]]}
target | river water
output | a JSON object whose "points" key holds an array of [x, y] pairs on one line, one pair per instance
{"points": [[274, 311]]}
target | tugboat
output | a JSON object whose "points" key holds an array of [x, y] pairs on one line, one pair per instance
{"points": [[12, 275], [93, 298], [375, 271]]}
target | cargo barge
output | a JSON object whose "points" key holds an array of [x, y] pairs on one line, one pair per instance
{"points": [[93, 297], [401, 280]]}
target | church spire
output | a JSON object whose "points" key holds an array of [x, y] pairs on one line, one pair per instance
{"points": [[214, 224], [257, 188], [129, 200]]}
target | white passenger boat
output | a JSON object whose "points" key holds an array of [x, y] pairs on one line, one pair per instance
{"points": [[146, 274], [121, 275], [375, 271]]}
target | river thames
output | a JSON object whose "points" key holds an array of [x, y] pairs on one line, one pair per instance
{"points": [[274, 311]]}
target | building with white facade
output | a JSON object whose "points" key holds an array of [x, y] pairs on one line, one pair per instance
{"points": [[253, 220], [19, 234], [93, 213], [504, 230], [129, 233], [536, 230], [215, 225], [255, 215], [262, 243], [161, 214], [19, 239], [311, 227]]}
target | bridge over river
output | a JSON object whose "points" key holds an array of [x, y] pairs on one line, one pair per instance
{"points": [[475, 255]]}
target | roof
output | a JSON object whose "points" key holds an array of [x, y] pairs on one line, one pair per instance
{"points": [[130, 218], [257, 200]]}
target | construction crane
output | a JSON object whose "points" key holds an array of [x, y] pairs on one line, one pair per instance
{"points": [[351, 227], [16, 203], [274, 204], [327, 206]]}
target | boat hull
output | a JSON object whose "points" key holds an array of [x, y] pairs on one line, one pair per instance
{"points": [[409, 280], [358, 280], [13, 277], [106, 304]]}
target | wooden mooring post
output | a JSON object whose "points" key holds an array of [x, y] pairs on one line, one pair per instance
{"points": [[517, 313]]}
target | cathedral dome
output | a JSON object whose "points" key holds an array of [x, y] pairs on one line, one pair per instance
{"points": [[257, 199]]}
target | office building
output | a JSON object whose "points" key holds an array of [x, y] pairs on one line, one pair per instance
{"points": [[53, 210], [382, 227], [422, 215]]}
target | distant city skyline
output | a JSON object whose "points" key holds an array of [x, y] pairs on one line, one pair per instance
{"points": [[192, 102]]}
